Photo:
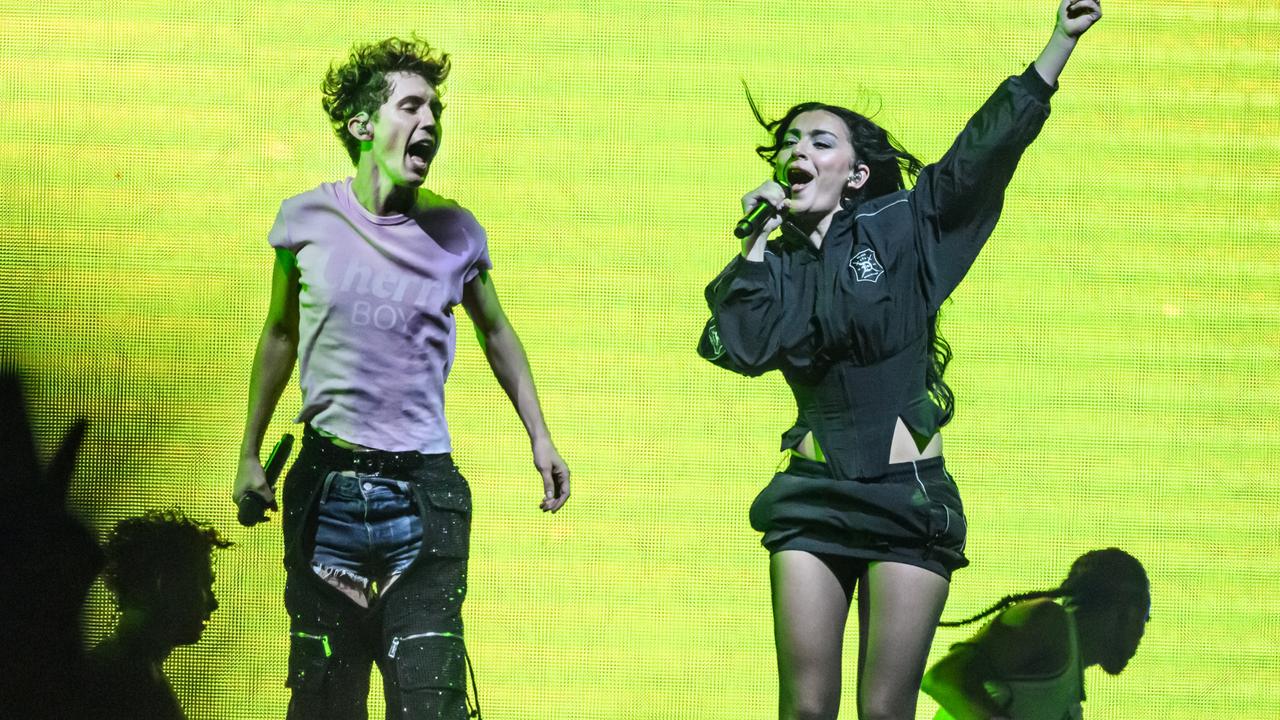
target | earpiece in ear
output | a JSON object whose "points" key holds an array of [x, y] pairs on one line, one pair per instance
{"points": [[362, 125]]}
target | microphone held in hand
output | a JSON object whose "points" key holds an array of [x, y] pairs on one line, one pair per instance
{"points": [[252, 508], [751, 223]]}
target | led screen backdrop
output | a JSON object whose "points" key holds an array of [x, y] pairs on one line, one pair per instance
{"points": [[1116, 344]]}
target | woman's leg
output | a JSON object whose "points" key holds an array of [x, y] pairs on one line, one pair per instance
{"points": [[810, 606], [898, 610]]}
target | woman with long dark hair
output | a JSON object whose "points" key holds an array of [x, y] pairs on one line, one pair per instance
{"points": [[845, 304]]}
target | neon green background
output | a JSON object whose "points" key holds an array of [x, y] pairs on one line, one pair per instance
{"points": [[1116, 343]]}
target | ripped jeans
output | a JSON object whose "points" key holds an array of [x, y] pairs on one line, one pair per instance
{"points": [[368, 530], [367, 517]]}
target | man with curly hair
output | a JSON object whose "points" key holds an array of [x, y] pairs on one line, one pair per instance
{"points": [[160, 568], [376, 515]]}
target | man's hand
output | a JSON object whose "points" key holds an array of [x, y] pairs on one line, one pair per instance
{"points": [[251, 478], [555, 475], [1076, 16]]}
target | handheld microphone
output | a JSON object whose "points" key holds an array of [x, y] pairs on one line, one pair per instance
{"points": [[252, 508], [752, 222]]}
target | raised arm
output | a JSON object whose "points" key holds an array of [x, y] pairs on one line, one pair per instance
{"points": [[272, 365], [1074, 18], [958, 200], [510, 366]]}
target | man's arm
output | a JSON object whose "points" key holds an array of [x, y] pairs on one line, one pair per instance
{"points": [[272, 366], [510, 366]]}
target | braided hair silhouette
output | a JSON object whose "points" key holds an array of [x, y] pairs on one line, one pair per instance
{"points": [[1097, 578]]}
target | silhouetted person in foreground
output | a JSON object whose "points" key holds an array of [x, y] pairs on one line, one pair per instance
{"points": [[48, 561], [1028, 663], [160, 568]]}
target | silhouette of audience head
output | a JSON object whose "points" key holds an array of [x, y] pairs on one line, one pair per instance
{"points": [[160, 568]]}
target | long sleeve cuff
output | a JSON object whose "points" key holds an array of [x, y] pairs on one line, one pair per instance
{"points": [[1036, 85], [749, 269]]}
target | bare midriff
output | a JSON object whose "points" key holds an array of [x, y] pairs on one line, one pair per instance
{"points": [[906, 447], [344, 444]]}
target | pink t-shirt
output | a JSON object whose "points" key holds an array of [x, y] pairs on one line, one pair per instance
{"points": [[376, 327]]}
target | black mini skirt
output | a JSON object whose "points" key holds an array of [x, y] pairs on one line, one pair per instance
{"points": [[911, 514]]}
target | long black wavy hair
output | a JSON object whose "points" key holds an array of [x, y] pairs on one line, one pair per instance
{"points": [[1097, 579], [891, 166]]}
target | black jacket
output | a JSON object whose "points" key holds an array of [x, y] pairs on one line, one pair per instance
{"points": [[848, 324]]}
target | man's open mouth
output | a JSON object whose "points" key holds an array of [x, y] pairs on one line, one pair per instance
{"points": [[420, 152]]}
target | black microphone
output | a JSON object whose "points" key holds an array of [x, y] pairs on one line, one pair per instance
{"points": [[752, 222], [252, 508]]}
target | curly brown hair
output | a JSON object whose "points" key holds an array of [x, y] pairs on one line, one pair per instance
{"points": [[159, 543], [360, 84]]}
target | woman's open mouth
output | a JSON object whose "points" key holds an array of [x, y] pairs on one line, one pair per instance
{"points": [[798, 178]]}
